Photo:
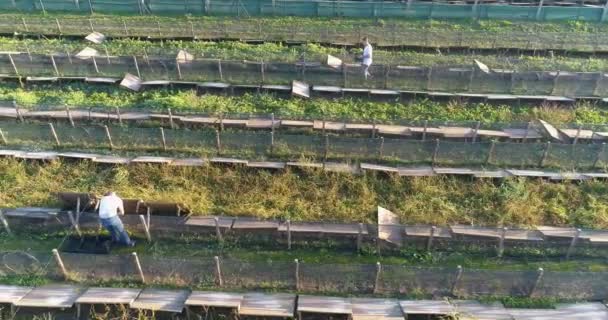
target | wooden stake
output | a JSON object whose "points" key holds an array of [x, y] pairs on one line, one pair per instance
{"points": [[262, 74], [476, 131], [218, 272], [13, 64], [219, 69], [60, 264], [360, 237], [378, 275], [218, 232], [381, 148], [326, 149], [54, 133], [74, 223], [598, 157], [2, 137], [124, 25], [297, 274], [429, 244], [118, 115], [573, 243], [95, 64], [138, 267], [146, 227], [578, 134], [491, 152], [25, 25], [136, 67], [539, 277], [5, 223], [18, 111], [58, 26], [436, 152], [107, 54], [288, 223], [218, 142], [162, 136], [426, 125], [67, 53], [171, 118], [69, 115], [109, 136], [527, 131], [501, 242], [54, 65], [179, 70], [456, 279], [545, 154]]}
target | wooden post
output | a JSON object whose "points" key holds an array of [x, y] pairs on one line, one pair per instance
{"points": [[604, 12], [218, 142], [429, 74], [67, 54], [539, 277], [527, 131], [95, 64], [219, 69], [5, 223], [471, 77], [456, 279], [297, 274], [124, 25], [13, 64], [109, 136], [326, 148], [171, 123], [136, 66], [69, 115], [218, 232], [598, 157], [578, 134], [476, 131], [2, 137], [179, 70], [25, 25], [436, 151], [378, 275], [545, 154], [146, 227], [162, 136], [160, 33], [426, 124], [262, 73], [29, 54], [539, 10], [344, 82], [118, 115], [58, 26], [360, 237], [107, 54], [501, 242], [429, 244], [140, 271], [381, 149], [54, 65], [288, 224], [74, 223], [54, 133], [573, 243], [491, 152], [272, 133], [60, 264], [18, 111], [218, 272]]}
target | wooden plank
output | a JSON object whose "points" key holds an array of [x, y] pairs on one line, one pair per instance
{"points": [[552, 131], [108, 296], [344, 228], [456, 132], [329, 125], [209, 221], [471, 231], [262, 123], [492, 133], [474, 310], [341, 167], [12, 294], [215, 299], [31, 212], [244, 223], [161, 300], [227, 160], [51, 296], [305, 227], [425, 231], [573, 133], [389, 228], [268, 305], [38, 156], [532, 173], [112, 160], [297, 123], [78, 155], [416, 171], [305, 164], [394, 130], [266, 165], [152, 159], [372, 309], [491, 174], [595, 236], [577, 311], [558, 232], [427, 307], [324, 305], [455, 171], [200, 120], [359, 126], [515, 133], [188, 162], [11, 153], [375, 167]]}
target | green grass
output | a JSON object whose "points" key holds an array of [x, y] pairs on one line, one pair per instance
{"points": [[81, 95], [276, 52], [315, 195]]}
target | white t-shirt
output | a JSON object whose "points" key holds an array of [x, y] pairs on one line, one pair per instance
{"points": [[367, 55], [109, 206]]}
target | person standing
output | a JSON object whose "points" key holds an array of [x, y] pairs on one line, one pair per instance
{"points": [[366, 59], [110, 206]]}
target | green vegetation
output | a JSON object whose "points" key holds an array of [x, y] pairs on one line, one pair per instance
{"points": [[277, 52], [316, 195], [80, 95]]}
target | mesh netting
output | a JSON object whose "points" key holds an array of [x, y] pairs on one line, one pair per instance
{"points": [[260, 274], [494, 282], [337, 278], [416, 281]]}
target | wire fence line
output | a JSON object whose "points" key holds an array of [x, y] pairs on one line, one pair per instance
{"points": [[387, 35], [450, 79], [536, 11], [286, 146]]}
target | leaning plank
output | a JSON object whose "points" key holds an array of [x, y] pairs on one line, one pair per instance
{"points": [[324, 305], [389, 228], [552, 131]]}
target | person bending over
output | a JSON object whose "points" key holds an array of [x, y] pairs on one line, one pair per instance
{"points": [[110, 206]]}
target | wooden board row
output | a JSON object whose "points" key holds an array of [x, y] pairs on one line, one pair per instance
{"points": [[358, 168], [284, 305]]}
